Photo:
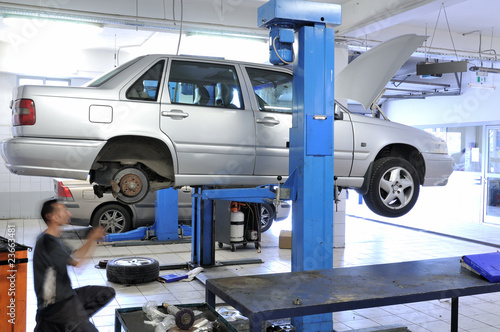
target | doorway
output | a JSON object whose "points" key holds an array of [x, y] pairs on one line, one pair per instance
{"points": [[491, 175]]}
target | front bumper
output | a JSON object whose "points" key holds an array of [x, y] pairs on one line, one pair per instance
{"points": [[438, 168], [50, 157]]}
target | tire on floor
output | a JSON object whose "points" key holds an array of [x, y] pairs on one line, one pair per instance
{"points": [[132, 270]]}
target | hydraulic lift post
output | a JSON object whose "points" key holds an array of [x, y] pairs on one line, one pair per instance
{"points": [[202, 222], [166, 226], [311, 137]]}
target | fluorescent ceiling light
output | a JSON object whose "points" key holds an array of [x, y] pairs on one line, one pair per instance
{"points": [[15, 21], [482, 86]]}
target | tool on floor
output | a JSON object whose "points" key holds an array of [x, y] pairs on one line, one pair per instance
{"points": [[184, 318]]}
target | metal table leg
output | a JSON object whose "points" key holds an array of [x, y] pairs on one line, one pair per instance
{"points": [[210, 298], [454, 314], [118, 323], [255, 322]]}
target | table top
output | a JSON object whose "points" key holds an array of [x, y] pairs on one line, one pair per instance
{"points": [[339, 289]]}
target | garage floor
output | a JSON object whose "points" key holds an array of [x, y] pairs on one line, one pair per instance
{"points": [[367, 242]]}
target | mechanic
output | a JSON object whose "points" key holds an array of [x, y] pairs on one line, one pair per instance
{"points": [[60, 307]]}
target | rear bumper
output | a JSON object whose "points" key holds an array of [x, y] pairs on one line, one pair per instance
{"points": [[283, 211], [50, 157], [438, 167]]}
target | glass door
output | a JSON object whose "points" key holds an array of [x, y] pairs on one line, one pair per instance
{"points": [[492, 176]]}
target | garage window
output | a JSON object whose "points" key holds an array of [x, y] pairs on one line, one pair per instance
{"points": [[42, 81], [273, 90], [148, 85], [464, 145], [204, 84]]}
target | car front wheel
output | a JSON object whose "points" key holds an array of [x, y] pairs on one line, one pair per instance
{"points": [[393, 188], [114, 218]]}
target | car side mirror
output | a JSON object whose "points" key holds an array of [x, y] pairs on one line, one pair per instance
{"points": [[339, 114]]}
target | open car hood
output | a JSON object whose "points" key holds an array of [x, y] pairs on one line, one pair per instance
{"points": [[365, 77]]}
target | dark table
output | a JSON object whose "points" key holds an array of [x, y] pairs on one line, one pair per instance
{"points": [[274, 296]]}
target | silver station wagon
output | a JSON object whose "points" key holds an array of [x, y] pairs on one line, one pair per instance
{"points": [[163, 121]]}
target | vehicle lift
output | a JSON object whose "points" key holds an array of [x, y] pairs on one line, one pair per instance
{"points": [[311, 182], [310, 185], [165, 228]]}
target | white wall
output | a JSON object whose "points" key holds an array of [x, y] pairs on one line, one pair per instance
{"points": [[20, 196]]}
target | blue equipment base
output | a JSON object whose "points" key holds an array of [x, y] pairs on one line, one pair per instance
{"points": [[166, 221]]}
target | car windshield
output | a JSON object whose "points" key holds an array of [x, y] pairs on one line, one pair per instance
{"points": [[109, 75]]}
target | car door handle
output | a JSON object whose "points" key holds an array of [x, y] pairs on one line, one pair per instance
{"points": [[175, 114], [268, 121]]}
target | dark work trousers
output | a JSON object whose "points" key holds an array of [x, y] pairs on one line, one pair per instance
{"points": [[73, 314]]}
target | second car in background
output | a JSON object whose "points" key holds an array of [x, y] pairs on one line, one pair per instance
{"points": [[87, 209]]}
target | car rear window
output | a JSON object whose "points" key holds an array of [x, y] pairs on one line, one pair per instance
{"points": [[148, 85]]}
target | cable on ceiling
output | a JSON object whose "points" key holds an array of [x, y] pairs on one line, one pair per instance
{"points": [[443, 9], [182, 20]]}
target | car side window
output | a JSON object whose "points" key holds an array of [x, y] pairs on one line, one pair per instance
{"points": [[148, 85], [204, 84], [273, 89]]}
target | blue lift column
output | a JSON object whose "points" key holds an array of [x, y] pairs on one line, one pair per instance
{"points": [[166, 215], [166, 226], [202, 239], [311, 136]]}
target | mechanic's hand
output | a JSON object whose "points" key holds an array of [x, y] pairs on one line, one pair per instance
{"points": [[97, 233]]}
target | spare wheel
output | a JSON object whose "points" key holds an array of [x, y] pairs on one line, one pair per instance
{"points": [[132, 270]]}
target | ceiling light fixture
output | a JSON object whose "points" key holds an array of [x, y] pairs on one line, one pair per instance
{"points": [[152, 24], [482, 86]]}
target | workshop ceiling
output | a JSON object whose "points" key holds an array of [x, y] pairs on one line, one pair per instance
{"points": [[375, 20], [457, 29]]}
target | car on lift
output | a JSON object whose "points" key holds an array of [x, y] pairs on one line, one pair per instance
{"points": [[116, 217], [162, 121]]}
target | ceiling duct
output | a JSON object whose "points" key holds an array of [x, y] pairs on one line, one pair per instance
{"points": [[485, 70]]}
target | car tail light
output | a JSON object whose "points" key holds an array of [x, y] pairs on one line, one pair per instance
{"points": [[23, 112], [63, 192]]}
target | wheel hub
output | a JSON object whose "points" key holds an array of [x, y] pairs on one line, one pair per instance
{"points": [[130, 185], [396, 187], [113, 224], [132, 262]]}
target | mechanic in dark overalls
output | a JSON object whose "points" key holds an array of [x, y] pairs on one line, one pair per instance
{"points": [[60, 307]]}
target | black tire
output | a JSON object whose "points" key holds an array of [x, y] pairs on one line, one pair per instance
{"points": [[267, 215], [114, 218], [132, 270], [393, 188]]}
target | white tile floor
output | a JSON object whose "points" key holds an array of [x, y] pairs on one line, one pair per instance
{"points": [[367, 242]]}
